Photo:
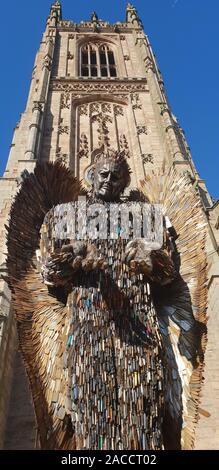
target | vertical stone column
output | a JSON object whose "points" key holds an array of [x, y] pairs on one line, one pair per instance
{"points": [[7, 345], [35, 128], [135, 145], [71, 56], [163, 112], [55, 13], [64, 124], [46, 69], [161, 107], [26, 140], [34, 132]]}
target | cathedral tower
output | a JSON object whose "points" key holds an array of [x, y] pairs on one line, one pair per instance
{"points": [[98, 84]]}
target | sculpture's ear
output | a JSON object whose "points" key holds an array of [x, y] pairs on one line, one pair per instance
{"points": [[89, 175]]}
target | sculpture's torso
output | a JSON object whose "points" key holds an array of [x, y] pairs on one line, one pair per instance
{"points": [[113, 359]]}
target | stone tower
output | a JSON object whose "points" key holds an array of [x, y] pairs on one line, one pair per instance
{"points": [[95, 84]]}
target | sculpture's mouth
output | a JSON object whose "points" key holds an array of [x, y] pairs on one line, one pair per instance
{"points": [[106, 187]]}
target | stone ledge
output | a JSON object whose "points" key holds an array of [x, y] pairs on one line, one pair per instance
{"points": [[99, 79], [213, 276], [2, 178]]}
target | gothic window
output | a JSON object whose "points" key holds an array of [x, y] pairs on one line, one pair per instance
{"points": [[97, 61]]}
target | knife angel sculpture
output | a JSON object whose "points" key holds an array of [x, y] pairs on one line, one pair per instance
{"points": [[112, 333]]}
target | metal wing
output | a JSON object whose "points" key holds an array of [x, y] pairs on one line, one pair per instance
{"points": [[42, 320], [181, 306]]}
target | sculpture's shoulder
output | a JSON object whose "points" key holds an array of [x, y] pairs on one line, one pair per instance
{"points": [[60, 209], [53, 231], [136, 195]]}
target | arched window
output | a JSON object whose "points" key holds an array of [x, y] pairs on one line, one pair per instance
{"points": [[97, 61]]}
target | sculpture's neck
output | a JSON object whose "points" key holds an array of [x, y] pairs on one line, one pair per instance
{"points": [[94, 199]]}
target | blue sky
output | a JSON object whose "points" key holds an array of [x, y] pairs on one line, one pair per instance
{"points": [[184, 35]]}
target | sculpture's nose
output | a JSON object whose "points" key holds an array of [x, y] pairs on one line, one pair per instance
{"points": [[109, 177]]}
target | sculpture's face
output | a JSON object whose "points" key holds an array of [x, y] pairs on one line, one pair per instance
{"points": [[108, 181]]}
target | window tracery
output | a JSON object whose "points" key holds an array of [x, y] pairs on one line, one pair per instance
{"points": [[97, 61]]}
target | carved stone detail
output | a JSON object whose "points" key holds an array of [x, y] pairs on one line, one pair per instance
{"points": [[47, 62], [188, 175], [103, 131], [106, 108], [84, 149], [66, 24], [126, 57], [122, 37], [98, 44], [95, 25], [71, 36], [34, 72], [61, 157], [99, 87], [83, 109], [141, 41], [123, 144], [70, 56], [118, 110], [136, 103], [104, 24], [147, 158], [141, 130], [94, 108], [75, 96], [170, 127], [164, 108], [149, 65], [122, 97], [63, 129], [116, 28], [65, 100], [37, 106]]}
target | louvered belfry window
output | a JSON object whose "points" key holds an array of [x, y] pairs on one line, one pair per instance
{"points": [[97, 61]]}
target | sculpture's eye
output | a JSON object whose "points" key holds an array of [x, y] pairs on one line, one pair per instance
{"points": [[104, 174], [114, 177]]}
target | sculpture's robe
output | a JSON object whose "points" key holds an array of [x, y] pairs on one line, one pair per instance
{"points": [[59, 340], [112, 356]]}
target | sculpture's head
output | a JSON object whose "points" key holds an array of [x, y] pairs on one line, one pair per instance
{"points": [[111, 175]]}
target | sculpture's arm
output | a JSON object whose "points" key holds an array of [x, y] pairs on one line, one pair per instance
{"points": [[59, 268], [156, 265]]}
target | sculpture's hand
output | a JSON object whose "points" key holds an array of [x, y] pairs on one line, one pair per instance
{"points": [[156, 265], [75, 253], [138, 256], [92, 259], [85, 256], [60, 266], [57, 269]]}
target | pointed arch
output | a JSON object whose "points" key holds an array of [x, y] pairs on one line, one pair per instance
{"points": [[97, 57]]}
